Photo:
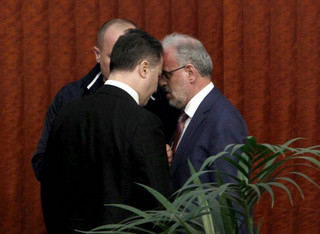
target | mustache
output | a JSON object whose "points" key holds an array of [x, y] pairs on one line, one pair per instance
{"points": [[166, 89]]}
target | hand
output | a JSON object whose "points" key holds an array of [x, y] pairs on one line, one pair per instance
{"points": [[169, 154]]}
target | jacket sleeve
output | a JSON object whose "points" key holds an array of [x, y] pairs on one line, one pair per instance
{"points": [[228, 131], [38, 157], [150, 161]]}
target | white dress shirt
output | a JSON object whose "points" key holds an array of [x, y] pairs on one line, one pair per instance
{"points": [[124, 87]]}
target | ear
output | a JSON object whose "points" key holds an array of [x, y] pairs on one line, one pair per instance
{"points": [[191, 73], [144, 67], [96, 52]]}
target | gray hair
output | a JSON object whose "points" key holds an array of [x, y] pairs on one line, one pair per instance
{"points": [[190, 50]]}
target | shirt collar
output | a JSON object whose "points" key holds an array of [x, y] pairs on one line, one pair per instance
{"points": [[94, 80], [86, 80], [124, 87], [194, 103]]}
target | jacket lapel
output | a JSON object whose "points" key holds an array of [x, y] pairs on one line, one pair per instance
{"points": [[199, 116]]}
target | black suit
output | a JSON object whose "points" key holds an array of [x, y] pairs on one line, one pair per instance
{"points": [[98, 148], [78, 89]]}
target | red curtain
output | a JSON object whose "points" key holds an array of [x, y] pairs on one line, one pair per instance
{"points": [[266, 56]]}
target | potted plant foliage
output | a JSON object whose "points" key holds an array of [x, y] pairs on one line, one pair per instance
{"points": [[224, 207]]}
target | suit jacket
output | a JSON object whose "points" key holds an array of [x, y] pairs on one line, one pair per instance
{"points": [[99, 148], [70, 92], [215, 124], [78, 89]]}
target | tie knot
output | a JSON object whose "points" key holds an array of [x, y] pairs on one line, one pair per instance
{"points": [[183, 117]]}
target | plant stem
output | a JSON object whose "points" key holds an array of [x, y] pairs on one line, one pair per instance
{"points": [[251, 225]]}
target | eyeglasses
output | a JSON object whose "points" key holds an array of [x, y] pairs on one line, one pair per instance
{"points": [[167, 74]]}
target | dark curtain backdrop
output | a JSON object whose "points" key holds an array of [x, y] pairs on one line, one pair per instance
{"points": [[266, 56]]}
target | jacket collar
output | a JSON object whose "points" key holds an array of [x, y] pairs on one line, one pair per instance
{"points": [[86, 80]]}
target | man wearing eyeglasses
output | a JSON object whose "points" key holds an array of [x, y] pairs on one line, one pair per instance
{"points": [[209, 122], [103, 145], [88, 85]]}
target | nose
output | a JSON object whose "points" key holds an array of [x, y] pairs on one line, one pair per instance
{"points": [[162, 81]]}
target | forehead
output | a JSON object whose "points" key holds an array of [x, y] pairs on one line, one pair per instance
{"points": [[169, 58], [157, 67], [160, 64]]}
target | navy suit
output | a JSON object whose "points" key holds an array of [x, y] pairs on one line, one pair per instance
{"points": [[215, 124]]}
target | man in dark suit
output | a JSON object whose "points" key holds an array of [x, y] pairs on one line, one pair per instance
{"points": [[210, 121], [102, 145], [89, 84], [108, 34]]}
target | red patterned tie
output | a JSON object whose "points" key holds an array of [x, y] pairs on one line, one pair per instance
{"points": [[180, 125]]}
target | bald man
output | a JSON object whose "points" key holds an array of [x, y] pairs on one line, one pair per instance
{"points": [[108, 34]]}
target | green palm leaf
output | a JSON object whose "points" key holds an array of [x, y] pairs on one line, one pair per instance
{"points": [[217, 207]]}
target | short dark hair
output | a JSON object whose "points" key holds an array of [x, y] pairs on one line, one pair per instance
{"points": [[132, 47], [121, 23]]}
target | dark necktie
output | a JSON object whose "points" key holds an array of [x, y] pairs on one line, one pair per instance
{"points": [[180, 126]]}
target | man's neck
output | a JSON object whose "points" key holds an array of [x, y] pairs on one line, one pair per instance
{"points": [[133, 93]]}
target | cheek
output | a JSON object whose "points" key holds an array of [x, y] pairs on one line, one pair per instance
{"points": [[156, 80], [177, 88], [172, 86], [105, 66], [106, 63], [154, 84]]}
